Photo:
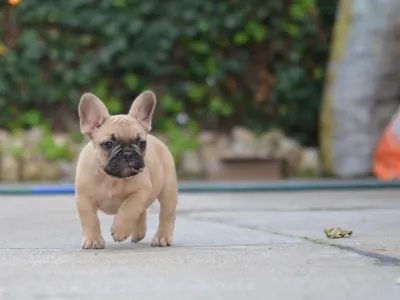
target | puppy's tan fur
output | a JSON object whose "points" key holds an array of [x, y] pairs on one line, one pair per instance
{"points": [[126, 198]]}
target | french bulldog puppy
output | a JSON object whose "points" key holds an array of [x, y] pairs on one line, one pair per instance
{"points": [[121, 171]]}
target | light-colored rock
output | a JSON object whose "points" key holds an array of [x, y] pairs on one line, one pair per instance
{"points": [[4, 137], [222, 143], [206, 137], [67, 170], [14, 142], [212, 152], [61, 139], [292, 159], [287, 147], [309, 163], [269, 144], [31, 153], [40, 169], [244, 143], [33, 136], [77, 147], [32, 170], [50, 171], [274, 144], [211, 156], [191, 162], [9, 168]]}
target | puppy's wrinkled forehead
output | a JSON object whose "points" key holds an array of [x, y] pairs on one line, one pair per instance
{"points": [[123, 128]]}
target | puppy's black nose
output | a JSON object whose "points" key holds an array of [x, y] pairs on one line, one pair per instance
{"points": [[127, 155]]}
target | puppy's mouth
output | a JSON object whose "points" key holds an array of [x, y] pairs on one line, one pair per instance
{"points": [[136, 171], [124, 163], [131, 166], [124, 173]]}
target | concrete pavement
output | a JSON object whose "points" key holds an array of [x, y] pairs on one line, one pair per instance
{"points": [[227, 246]]}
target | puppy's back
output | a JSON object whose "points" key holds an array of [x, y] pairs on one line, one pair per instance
{"points": [[161, 151]]}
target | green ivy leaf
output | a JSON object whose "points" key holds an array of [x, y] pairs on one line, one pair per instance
{"points": [[318, 73], [218, 106], [101, 89], [30, 118], [193, 126], [119, 3], [200, 47], [131, 81], [297, 11], [308, 3], [197, 92], [171, 104], [257, 30], [203, 26], [240, 38], [211, 64], [114, 105]]}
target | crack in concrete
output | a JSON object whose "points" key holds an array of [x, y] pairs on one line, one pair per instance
{"points": [[382, 259], [385, 260]]}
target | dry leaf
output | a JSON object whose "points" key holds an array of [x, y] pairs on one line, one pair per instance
{"points": [[337, 233]]}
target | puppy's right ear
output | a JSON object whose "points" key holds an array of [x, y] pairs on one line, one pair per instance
{"points": [[92, 113]]}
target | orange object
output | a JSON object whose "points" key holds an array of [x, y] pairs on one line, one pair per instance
{"points": [[3, 50], [387, 153], [14, 2]]}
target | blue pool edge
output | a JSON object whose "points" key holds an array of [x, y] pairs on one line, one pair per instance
{"points": [[214, 187]]}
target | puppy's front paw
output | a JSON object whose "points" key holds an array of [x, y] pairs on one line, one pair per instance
{"points": [[120, 232], [160, 240], [138, 234], [93, 243]]}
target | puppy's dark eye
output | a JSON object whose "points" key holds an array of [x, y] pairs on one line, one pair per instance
{"points": [[142, 145], [108, 145]]}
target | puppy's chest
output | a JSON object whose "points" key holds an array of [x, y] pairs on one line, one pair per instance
{"points": [[110, 199]]}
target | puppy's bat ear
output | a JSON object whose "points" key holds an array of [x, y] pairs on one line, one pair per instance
{"points": [[92, 113], [142, 109]]}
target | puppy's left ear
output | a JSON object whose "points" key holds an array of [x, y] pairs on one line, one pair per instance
{"points": [[142, 109]]}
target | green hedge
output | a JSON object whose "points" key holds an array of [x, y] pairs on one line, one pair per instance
{"points": [[256, 63]]}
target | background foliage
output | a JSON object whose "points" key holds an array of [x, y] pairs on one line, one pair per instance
{"points": [[212, 64]]}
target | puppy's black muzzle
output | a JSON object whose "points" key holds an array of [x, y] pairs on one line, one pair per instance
{"points": [[125, 162]]}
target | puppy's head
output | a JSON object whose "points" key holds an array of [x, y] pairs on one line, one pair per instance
{"points": [[119, 140]]}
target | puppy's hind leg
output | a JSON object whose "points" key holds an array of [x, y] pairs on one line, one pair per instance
{"points": [[139, 232], [168, 199]]}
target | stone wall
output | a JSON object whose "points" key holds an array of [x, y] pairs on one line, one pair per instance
{"points": [[20, 159]]}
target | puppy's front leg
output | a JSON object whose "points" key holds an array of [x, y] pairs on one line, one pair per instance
{"points": [[90, 224], [128, 215], [139, 230]]}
